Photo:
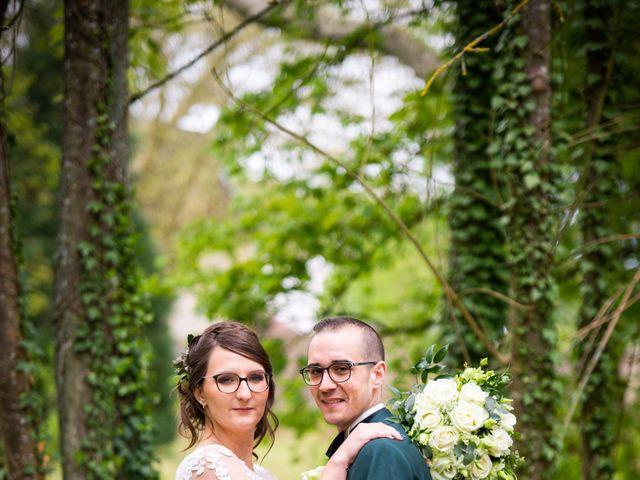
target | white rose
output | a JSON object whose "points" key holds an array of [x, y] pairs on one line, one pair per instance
{"points": [[443, 468], [507, 421], [428, 419], [313, 474], [441, 391], [423, 403], [443, 439], [468, 417], [480, 468], [472, 393], [501, 442]]}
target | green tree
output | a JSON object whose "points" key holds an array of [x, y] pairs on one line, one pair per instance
{"points": [[523, 142], [101, 361], [18, 417], [478, 267], [606, 49]]}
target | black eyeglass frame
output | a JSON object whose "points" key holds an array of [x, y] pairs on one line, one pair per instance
{"points": [[327, 369], [266, 375]]}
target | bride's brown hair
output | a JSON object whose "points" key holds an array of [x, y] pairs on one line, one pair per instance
{"points": [[191, 367]]}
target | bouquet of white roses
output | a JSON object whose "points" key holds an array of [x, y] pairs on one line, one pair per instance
{"points": [[462, 424]]}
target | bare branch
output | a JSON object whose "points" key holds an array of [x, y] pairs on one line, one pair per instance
{"points": [[472, 46], [3, 10], [221, 41], [500, 296], [612, 238], [622, 306], [620, 237], [389, 40], [601, 319]]}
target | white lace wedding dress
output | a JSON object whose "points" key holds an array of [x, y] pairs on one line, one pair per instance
{"points": [[215, 462]]}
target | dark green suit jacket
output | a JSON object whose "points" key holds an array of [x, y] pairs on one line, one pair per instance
{"points": [[384, 458]]}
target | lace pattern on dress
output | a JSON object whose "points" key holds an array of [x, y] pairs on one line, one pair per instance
{"points": [[215, 457]]}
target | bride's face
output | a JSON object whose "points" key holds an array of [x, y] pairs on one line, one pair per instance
{"points": [[231, 410]]}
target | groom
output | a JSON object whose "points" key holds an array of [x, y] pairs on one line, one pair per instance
{"points": [[345, 374]]}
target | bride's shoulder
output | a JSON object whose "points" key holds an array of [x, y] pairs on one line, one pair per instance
{"points": [[215, 462], [206, 462]]}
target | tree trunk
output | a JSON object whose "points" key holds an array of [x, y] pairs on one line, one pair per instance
{"points": [[18, 436], [95, 86], [533, 232], [20, 448], [477, 257], [523, 143], [605, 390]]}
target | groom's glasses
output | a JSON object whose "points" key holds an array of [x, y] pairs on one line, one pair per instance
{"points": [[339, 372], [230, 382]]}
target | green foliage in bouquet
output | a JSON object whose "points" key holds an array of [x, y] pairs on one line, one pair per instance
{"points": [[461, 423]]}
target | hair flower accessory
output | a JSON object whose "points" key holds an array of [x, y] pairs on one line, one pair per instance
{"points": [[181, 364], [461, 423]]}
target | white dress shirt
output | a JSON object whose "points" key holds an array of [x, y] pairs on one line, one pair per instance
{"points": [[362, 416]]}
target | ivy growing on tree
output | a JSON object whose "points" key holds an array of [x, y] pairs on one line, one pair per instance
{"points": [[478, 266]]}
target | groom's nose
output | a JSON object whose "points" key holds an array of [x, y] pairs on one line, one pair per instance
{"points": [[327, 383]]}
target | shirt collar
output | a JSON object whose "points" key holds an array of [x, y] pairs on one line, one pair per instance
{"points": [[362, 416]]}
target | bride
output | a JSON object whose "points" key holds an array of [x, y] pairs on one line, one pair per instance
{"points": [[226, 393]]}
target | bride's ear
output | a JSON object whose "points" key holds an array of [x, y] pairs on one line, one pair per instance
{"points": [[197, 393]]}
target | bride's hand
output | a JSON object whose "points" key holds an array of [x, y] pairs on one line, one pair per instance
{"points": [[339, 462]]}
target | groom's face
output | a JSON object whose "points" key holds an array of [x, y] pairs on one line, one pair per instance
{"points": [[342, 403]]}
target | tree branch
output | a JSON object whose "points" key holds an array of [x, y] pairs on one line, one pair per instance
{"points": [[601, 319], [389, 40], [221, 41], [492, 293], [3, 10], [472, 46], [622, 306]]}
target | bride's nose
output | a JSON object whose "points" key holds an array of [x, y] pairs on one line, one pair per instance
{"points": [[243, 391]]}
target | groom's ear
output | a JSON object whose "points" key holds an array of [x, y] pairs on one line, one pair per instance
{"points": [[378, 372]]}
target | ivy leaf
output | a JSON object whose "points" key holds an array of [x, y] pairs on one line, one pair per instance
{"points": [[531, 180]]}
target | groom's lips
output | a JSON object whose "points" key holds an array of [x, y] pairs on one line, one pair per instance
{"points": [[332, 401]]}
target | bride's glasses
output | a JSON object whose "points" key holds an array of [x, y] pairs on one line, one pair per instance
{"points": [[230, 382]]}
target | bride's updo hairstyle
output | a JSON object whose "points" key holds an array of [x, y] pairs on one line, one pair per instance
{"points": [[191, 366]]}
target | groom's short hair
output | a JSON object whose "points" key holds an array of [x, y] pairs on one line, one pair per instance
{"points": [[372, 342]]}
